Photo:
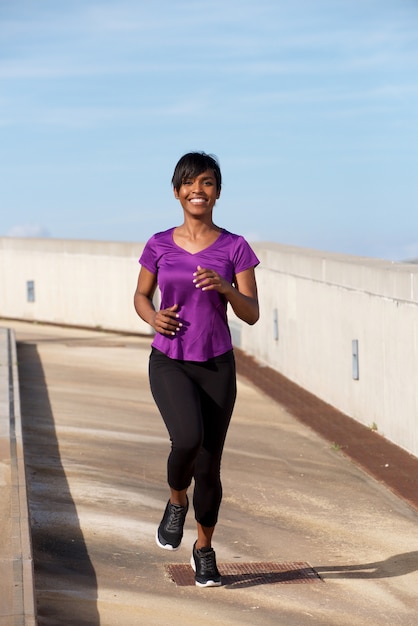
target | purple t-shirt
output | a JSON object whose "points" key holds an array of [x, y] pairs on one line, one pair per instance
{"points": [[204, 332]]}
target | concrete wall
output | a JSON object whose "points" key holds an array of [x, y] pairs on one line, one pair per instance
{"points": [[324, 302], [82, 283], [313, 306]]}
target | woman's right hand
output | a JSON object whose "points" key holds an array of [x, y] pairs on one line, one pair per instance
{"points": [[166, 321]]}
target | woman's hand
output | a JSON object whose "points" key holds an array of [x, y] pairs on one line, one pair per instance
{"points": [[207, 279], [166, 321], [242, 297]]}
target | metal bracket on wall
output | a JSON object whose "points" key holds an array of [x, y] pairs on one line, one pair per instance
{"points": [[30, 290], [355, 363], [275, 325]]}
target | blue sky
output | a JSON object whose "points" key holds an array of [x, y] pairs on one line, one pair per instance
{"points": [[310, 105]]}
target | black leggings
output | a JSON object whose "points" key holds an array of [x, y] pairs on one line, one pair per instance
{"points": [[196, 401]]}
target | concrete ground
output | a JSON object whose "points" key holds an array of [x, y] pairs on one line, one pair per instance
{"points": [[95, 450]]}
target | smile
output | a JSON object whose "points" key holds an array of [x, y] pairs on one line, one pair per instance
{"points": [[198, 200]]}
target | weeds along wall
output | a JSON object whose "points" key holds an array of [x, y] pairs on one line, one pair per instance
{"points": [[344, 328]]}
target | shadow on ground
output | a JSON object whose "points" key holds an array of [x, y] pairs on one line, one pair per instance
{"points": [[65, 580], [397, 565]]}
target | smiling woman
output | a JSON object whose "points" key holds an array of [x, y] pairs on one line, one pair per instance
{"points": [[197, 196], [200, 268]]}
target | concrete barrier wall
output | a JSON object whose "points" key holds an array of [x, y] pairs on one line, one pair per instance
{"points": [[82, 283], [314, 305], [322, 303]]}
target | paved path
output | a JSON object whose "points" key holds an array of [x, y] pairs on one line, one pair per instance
{"points": [[96, 450]]}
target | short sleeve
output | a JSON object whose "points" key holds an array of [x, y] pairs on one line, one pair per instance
{"points": [[148, 258], [244, 256]]}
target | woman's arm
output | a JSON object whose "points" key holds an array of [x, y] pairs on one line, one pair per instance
{"points": [[164, 321], [242, 297]]}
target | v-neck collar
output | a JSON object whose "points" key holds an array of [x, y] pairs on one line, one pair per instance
{"points": [[198, 251]]}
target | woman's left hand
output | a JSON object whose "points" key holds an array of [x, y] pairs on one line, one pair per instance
{"points": [[242, 297], [207, 279]]}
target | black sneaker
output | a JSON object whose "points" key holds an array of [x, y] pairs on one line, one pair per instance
{"points": [[203, 562], [170, 531]]}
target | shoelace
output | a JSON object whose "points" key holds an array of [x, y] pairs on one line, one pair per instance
{"points": [[175, 519], [207, 562]]}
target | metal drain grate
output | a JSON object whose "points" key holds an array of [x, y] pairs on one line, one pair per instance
{"points": [[250, 574]]}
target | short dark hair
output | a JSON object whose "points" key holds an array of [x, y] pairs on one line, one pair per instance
{"points": [[194, 163]]}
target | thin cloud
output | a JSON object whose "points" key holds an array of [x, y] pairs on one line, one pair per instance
{"points": [[28, 230], [318, 42], [83, 117]]}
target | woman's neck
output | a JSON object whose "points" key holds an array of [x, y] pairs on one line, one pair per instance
{"points": [[197, 229], [195, 238]]}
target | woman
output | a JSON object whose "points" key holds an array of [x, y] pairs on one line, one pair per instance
{"points": [[199, 268]]}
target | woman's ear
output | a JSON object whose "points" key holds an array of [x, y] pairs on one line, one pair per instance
{"points": [[176, 194]]}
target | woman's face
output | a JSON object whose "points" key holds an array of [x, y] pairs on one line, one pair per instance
{"points": [[198, 195]]}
